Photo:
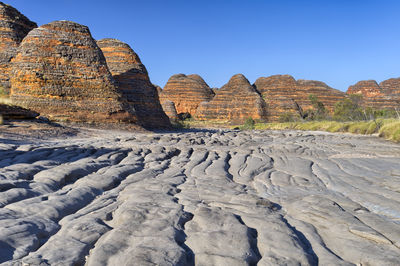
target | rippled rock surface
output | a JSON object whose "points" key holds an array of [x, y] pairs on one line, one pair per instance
{"points": [[200, 198]]}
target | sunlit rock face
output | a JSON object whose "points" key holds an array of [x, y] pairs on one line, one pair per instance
{"points": [[133, 81], [385, 95], [283, 94], [14, 26], [60, 71], [236, 101], [187, 92]]}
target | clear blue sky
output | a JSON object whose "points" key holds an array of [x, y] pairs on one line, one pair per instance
{"points": [[339, 42]]}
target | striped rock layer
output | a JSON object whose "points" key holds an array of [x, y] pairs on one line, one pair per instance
{"points": [[236, 101], [187, 92], [14, 26], [133, 81], [60, 71], [385, 95], [283, 94], [170, 111]]}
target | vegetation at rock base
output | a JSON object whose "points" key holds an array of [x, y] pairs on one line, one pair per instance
{"points": [[249, 124], [1, 119], [386, 128]]}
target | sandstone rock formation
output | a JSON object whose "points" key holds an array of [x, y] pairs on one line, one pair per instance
{"points": [[133, 80], [283, 94], [60, 71], [170, 110], [187, 92], [385, 95], [16, 112], [235, 101], [14, 26]]}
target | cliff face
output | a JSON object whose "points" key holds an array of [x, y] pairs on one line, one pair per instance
{"points": [[60, 71], [186, 92], [133, 81], [235, 101], [283, 94], [170, 111], [14, 26], [385, 95]]}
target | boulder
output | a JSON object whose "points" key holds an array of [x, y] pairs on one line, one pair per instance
{"points": [[14, 26], [133, 81], [187, 92], [59, 71], [236, 101], [16, 112]]}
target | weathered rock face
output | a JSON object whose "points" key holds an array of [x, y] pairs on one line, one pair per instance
{"points": [[235, 101], [60, 71], [169, 109], [187, 92], [13, 28], [385, 95], [133, 80], [283, 94]]}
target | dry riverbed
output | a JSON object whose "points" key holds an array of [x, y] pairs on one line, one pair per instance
{"points": [[204, 197]]}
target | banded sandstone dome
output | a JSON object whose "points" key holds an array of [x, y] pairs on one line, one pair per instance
{"points": [[60, 71], [186, 92], [283, 94], [14, 26], [236, 101], [133, 81], [385, 95]]}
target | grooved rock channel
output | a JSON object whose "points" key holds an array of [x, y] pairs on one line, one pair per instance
{"points": [[200, 198]]}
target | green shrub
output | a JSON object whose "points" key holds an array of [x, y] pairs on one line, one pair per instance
{"points": [[248, 124]]}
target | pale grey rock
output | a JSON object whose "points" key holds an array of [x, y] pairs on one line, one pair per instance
{"points": [[200, 198]]}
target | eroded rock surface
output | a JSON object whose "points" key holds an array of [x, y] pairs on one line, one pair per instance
{"points": [[133, 80], [60, 71], [14, 26], [187, 92], [205, 197], [236, 101], [283, 94]]}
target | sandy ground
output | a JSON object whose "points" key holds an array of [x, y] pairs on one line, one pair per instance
{"points": [[205, 197]]}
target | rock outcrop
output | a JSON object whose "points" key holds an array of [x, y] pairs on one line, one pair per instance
{"points": [[385, 95], [60, 71], [170, 111], [133, 80], [283, 94], [187, 92], [235, 101], [14, 26], [16, 112]]}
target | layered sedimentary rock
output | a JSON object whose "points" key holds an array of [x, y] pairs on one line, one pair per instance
{"points": [[170, 110], [187, 92], [14, 26], [60, 71], [235, 101], [283, 94], [133, 80], [385, 95]]}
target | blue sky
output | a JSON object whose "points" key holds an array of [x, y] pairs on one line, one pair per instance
{"points": [[338, 42]]}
